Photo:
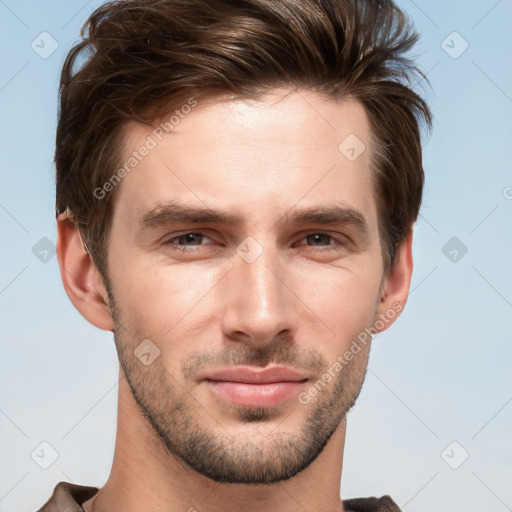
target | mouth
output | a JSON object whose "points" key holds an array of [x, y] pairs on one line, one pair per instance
{"points": [[250, 387]]}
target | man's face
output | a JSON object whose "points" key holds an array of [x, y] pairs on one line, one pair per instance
{"points": [[270, 289]]}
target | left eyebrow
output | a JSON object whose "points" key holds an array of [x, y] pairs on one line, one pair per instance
{"points": [[329, 215]]}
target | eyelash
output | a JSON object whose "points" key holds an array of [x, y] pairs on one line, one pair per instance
{"points": [[180, 247]]}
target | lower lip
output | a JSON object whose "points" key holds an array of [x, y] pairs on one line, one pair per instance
{"points": [[256, 395]]}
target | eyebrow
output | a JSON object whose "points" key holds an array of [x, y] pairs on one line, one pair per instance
{"points": [[174, 211]]}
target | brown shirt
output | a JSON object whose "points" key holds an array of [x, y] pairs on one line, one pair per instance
{"points": [[68, 497]]}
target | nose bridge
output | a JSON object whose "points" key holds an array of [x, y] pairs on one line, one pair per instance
{"points": [[260, 303], [261, 281]]}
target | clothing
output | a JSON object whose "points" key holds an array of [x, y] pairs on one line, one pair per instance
{"points": [[68, 497], [384, 504]]}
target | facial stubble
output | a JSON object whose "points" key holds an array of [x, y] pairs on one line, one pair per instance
{"points": [[191, 434]]}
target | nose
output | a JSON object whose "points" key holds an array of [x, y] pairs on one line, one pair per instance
{"points": [[260, 304]]}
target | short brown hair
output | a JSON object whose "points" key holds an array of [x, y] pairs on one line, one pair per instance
{"points": [[142, 58]]}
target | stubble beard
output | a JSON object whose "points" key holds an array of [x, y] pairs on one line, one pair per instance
{"points": [[191, 435]]}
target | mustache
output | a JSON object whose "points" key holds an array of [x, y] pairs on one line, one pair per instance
{"points": [[282, 353]]}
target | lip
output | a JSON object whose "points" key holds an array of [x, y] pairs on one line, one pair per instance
{"points": [[250, 387], [257, 376]]}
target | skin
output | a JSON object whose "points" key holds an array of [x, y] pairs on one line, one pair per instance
{"points": [[301, 303]]}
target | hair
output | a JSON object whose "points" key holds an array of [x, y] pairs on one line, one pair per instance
{"points": [[137, 60]]}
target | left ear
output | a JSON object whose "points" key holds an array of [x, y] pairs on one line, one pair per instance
{"points": [[395, 287]]}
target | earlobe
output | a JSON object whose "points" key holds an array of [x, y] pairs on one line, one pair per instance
{"points": [[82, 281], [395, 288]]}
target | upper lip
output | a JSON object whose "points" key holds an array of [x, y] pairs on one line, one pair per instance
{"points": [[257, 376]]}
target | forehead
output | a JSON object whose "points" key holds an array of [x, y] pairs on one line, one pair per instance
{"points": [[252, 156]]}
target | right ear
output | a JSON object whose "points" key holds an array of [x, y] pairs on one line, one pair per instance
{"points": [[82, 281]]}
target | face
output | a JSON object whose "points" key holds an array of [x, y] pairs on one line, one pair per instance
{"points": [[244, 260]]}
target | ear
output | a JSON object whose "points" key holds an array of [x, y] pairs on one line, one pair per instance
{"points": [[82, 281], [395, 287]]}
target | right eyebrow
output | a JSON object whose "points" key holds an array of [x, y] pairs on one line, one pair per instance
{"points": [[173, 211]]}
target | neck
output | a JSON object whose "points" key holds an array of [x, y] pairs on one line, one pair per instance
{"points": [[144, 476]]}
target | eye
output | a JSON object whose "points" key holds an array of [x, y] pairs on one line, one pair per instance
{"points": [[192, 240], [186, 241], [325, 239]]}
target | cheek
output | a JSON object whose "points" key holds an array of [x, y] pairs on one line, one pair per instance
{"points": [[344, 300], [158, 301], [168, 303]]}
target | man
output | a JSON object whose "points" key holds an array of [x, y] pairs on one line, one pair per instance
{"points": [[237, 183]]}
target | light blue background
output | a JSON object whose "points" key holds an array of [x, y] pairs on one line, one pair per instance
{"points": [[442, 373]]}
